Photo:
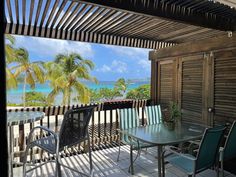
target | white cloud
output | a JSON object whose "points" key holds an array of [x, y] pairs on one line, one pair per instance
{"points": [[138, 54], [129, 51], [116, 67], [44, 47], [145, 64], [104, 69]]}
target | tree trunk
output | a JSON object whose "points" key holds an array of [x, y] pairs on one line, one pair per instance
{"points": [[69, 95], [24, 88]]}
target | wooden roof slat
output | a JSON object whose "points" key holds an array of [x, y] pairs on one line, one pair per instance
{"points": [[45, 13], [17, 11], [132, 23], [9, 10], [168, 11], [146, 26], [107, 21], [24, 10], [135, 25], [72, 4], [63, 4], [56, 3], [113, 22], [101, 20], [129, 20], [90, 19], [72, 17], [117, 23], [149, 24], [97, 18], [72, 24], [31, 11], [85, 17], [118, 19], [38, 12]]}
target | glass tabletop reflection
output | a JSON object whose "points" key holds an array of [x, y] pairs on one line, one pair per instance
{"points": [[21, 117], [160, 134]]}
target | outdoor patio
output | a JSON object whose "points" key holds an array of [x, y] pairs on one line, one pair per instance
{"points": [[105, 164], [192, 63]]}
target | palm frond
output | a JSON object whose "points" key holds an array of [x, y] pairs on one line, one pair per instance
{"points": [[11, 80]]}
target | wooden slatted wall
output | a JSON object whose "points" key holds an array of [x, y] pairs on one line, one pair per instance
{"points": [[192, 89], [225, 86], [166, 83]]}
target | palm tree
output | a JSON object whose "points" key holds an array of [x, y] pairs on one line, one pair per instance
{"points": [[121, 85], [65, 74], [10, 57], [32, 72]]}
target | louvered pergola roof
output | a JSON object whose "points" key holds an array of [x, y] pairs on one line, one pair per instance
{"points": [[144, 23]]}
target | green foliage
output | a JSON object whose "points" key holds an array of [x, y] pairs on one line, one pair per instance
{"points": [[14, 104], [172, 113], [10, 58], [103, 94], [142, 92], [121, 86], [32, 99], [109, 94], [95, 96], [32, 71], [65, 75], [35, 99]]}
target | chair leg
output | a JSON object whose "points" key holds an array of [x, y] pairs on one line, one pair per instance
{"points": [[90, 160], [118, 153], [25, 160], [131, 168], [163, 163], [58, 165], [222, 168]]}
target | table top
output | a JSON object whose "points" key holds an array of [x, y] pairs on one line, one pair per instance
{"points": [[22, 117], [160, 134]]}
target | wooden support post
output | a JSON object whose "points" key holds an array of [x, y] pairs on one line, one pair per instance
{"points": [[3, 124]]}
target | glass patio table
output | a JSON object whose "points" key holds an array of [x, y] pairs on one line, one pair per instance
{"points": [[19, 118], [160, 135]]}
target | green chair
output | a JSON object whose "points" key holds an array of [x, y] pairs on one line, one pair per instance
{"points": [[129, 118], [154, 115], [206, 156], [229, 150]]}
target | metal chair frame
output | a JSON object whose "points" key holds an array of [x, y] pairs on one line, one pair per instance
{"points": [[195, 159], [222, 149], [57, 147], [133, 143]]}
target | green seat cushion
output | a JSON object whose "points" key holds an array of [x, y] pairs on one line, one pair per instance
{"points": [[182, 162]]}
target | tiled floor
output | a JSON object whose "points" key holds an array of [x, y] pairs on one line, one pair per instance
{"points": [[105, 164]]}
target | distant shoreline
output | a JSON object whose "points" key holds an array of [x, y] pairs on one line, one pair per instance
{"points": [[15, 96]]}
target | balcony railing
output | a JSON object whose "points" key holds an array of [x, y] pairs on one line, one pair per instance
{"points": [[102, 128]]}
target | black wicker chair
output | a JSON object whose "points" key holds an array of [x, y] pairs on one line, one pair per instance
{"points": [[74, 129]]}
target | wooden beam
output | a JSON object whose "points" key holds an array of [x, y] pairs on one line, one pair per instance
{"points": [[81, 36], [3, 124], [190, 47], [173, 12]]}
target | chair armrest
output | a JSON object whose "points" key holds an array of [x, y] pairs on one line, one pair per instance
{"points": [[178, 153], [44, 129]]}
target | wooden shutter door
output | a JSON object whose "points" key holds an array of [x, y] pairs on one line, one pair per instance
{"points": [[166, 82], [225, 86], [192, 97]]}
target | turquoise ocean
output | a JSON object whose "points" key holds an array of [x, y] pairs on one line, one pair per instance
{"points": [[15, 95]]}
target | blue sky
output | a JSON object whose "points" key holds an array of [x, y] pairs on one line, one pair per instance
{"points": [[111, 62]]}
